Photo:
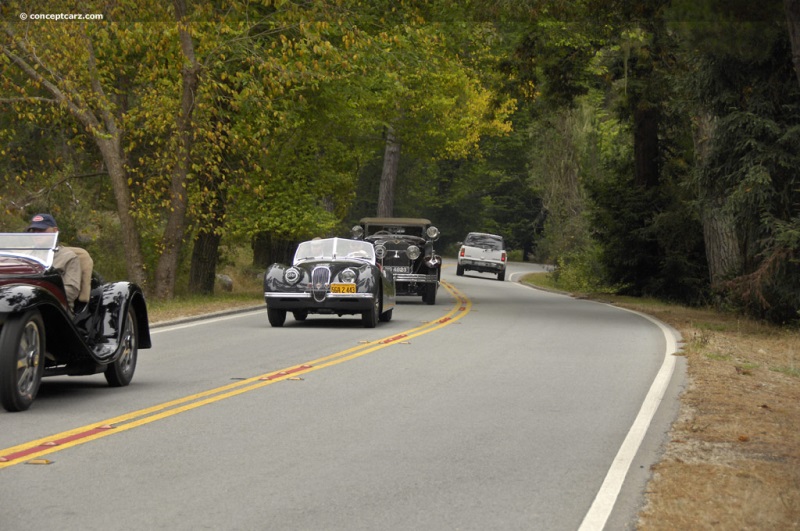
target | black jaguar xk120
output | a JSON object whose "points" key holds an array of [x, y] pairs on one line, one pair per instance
{"points": [[42, 335], [332, 276]]}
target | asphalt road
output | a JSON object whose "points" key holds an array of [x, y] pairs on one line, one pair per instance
{"points": [[500, 407]]}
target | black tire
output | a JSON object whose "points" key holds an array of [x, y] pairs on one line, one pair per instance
{"points": [[386, 316], [22, 348], [276, 317], [120, 373], [501, 276], [429, 297], [371, 316], [460, 270], [300, 315]]}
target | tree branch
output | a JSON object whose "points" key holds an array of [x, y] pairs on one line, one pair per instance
{"points": [[82, 113]]}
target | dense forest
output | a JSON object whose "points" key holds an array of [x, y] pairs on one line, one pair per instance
{"points": [[649, 147]]}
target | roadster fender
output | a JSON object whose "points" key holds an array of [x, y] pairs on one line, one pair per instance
{"points": [[91, 336]]}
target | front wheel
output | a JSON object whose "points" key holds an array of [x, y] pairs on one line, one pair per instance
{"points": [[276, 317], [429, 297], [120, 373], [22, 350], [371, 316], [386, 316]]}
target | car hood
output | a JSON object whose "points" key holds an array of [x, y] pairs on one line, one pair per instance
{"points": [[17, 266]]}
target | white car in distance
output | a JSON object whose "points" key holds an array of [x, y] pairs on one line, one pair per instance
{"points": [[484, 253]]}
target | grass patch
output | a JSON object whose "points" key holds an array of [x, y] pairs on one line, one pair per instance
{"points": [[541, 280], [193, 305], [788, 371]]}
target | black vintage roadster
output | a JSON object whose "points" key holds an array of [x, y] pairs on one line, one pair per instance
{"points": [[41, 335], [331, 276]]}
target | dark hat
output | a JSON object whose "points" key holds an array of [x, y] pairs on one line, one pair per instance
{"points": [[42, 222]]}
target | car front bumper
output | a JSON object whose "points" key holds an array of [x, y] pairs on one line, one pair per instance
{"points": [[420, 279], [338, 302]]}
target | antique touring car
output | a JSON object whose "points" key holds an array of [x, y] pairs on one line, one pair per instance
{"points": [[404, 246]]}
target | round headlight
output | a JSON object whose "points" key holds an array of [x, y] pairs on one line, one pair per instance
{"points": [[292, 275], [413, 252], [433, 233], [380, 252], [358, 232], [348, 276]]}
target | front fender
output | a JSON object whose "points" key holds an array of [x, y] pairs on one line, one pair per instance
{"points": [[17, 298], [62, 338], [108, 316]]}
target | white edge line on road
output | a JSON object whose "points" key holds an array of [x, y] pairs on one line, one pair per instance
{"points": [[596, 518], [203, 319]]}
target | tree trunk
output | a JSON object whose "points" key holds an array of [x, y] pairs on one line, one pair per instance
{"points": [[268, 249], [645, 145], [111, 151], [205, 255], [721, 242], [793, 21], [719, 230], [391, 160], [172, 241]]}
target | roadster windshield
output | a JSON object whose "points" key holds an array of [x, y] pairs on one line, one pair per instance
{"points": [[335, 249], [38, 246]]}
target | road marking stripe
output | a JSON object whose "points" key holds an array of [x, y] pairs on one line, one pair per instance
{"points": [[54, 443], [597, 516]]}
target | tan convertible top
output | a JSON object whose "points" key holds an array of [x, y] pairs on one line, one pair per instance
{"points": [[395, 221]]}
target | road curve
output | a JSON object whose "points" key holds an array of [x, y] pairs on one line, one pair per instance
{"points": [[500, 407]]}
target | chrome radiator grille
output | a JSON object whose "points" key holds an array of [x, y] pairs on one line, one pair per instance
{"points": [[320, 280]]}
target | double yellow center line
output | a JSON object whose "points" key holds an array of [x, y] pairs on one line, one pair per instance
{"points": [[34, 450]]}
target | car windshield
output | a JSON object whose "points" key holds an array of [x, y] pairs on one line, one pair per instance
{"points": [[484, 241], [405, 230], [39, 246], [335, 249]]}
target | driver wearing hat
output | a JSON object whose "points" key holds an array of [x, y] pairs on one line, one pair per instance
{"points": [[65, 261]]}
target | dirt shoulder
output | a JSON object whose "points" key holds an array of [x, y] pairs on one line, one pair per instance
{"points": [[733, 456]]}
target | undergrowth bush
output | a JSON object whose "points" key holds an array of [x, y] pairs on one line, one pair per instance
{"points": [[583, 271]]}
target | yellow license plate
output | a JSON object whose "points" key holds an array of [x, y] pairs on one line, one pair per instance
{"points": [[343, 288]]}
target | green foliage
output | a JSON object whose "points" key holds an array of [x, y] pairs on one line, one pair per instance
{"points": [[582, 271], [294, 97], [651, 242], [754, 161]]}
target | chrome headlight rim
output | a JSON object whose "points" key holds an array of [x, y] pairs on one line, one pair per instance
{"points": [[413, 252], [433, 233], [348, 276], [380, 251], [292, 275]]}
